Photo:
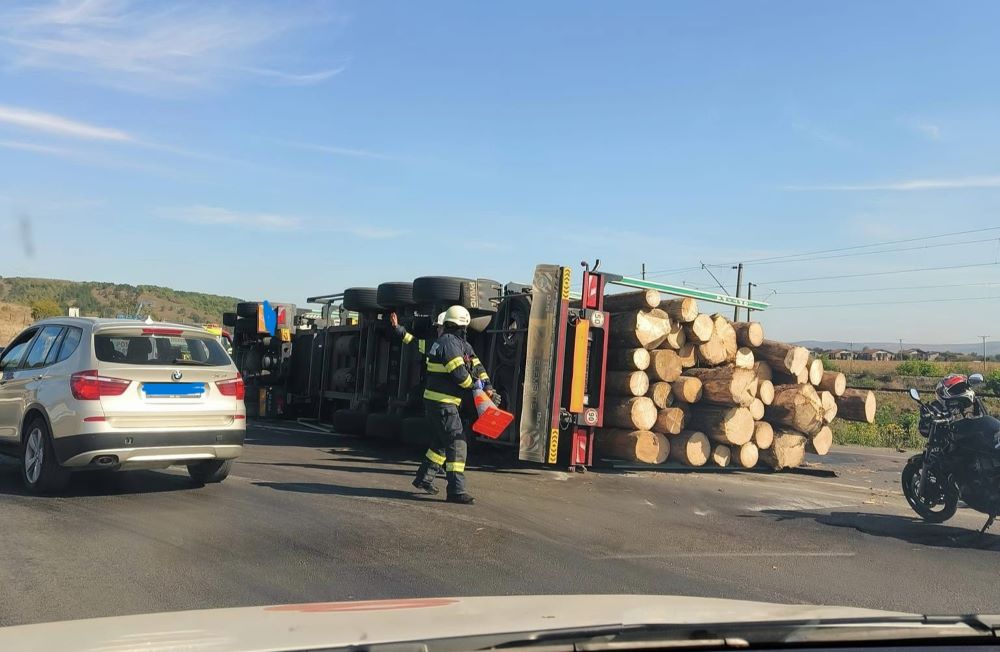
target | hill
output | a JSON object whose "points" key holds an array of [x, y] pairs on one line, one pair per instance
{"points": [[96, 299]]}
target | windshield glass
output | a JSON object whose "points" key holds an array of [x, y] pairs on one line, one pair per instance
{"points": [[159, 350]]}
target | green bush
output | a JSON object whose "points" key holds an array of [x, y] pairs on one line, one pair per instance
{"points": [[917, 368], [958, 368], [828, 364], [44, 308], [993, 382]]}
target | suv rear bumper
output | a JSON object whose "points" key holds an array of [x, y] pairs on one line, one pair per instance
{"points": [[148, 449]]}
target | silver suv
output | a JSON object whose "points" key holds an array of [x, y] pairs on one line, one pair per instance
{"points": [[82, 393]]}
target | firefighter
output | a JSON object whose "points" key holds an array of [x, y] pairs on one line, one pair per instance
{"points": [[408, 337], [452, 370]]}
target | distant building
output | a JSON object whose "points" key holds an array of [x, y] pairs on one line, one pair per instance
{"points": [[841, 354], [919, 354], [877, 355]]}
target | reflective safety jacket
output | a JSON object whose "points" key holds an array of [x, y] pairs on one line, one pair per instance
{"points": [[408, 337], [452, 369]]}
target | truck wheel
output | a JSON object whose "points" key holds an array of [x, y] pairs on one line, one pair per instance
{"points": [[210, 472], [361, 300], [438, 289], [40, 469], [415, 431], [247, 309], [383, 426], [512, 317], [395, 295], [350, 422]]}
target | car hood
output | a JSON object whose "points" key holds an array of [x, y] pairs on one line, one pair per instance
{"points": [[335, 624]]}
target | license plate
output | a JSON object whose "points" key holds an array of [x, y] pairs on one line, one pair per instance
{"points": [[174, 390]]}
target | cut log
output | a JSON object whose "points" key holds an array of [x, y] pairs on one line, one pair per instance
{"points": [[725, 332], [665, 365], [688, 355], [725, 385], [628, 359], [762, 369], [632, 445], [671, 420], [713, 352], [856, 405], [749, 333], [700, 329], [821, 442], [745, 456], [690, 447], [783, 357], [782, 378], [721, 455], [676, 338], [637, 328], [788, 449], [664, 443], [661, 394], [763, 434], [626, 383], [756, 408], [829, 402], [635, 413], [638, 300], [681, 310], [834, 382], [796, 406], [743, 358], [765, 391], [724, 425], [687, 389], [815, 369]]}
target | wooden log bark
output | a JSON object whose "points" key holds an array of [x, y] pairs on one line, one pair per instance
{"points": [[724, 425], [638, 300], [688, 355], [628, 359], [632, 445], [788, 450], [690, 447], [833, 382], [671, 420], [745, 456], [749, 333], [743, 358], [765, 391], [626, 383], [763, 434], [796, 406], [681, 310], [665, 365], [857, 405], [699, 329], [782, 378], [721, 455], [676, 338], [661, 394], [637, 329], [635, 413], [687, 389], [829, 402], [726, 385], [815, 371], [762, 369], [783, 357], [756, 408], [821, 442]]}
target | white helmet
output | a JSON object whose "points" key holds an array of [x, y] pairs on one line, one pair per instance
{"points": [[457, 315], [440, 320]]}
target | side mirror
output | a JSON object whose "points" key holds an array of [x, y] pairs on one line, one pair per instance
{"points": [[976, 379], [915, 395]]}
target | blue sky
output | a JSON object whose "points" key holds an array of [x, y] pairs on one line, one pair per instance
{"points": [[277, 150]]}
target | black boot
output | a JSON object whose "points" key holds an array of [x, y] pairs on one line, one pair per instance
{"points": [[426, 487], [461, 499]]}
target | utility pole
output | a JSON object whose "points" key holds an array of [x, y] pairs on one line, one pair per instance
{"points": [[852, 357], [739, 284], [644, 271], [750, 287], [983, 337], [900, 349]]}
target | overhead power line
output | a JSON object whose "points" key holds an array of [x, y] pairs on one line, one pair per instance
{"points": [[871, 253], [866, 274], [904, 287], [881, 303]]}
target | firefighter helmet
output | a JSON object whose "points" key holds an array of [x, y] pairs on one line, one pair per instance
{"points": [[458, 316], [440, 320]]}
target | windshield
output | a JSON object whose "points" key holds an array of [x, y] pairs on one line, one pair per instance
{"points": [[338, 302]]}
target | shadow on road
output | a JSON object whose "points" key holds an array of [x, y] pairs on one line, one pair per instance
{"points": [[905, 528], [341, 490], [338, 467], [90, 484]]}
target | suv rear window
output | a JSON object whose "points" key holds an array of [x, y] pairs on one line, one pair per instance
{"points": [[171, 350]]}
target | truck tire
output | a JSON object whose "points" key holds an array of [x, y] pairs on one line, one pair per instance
{"points": [[247, 309], [229, 319], [350, 422], [383, 426], [395, 295], [361, 300], [415, 431], [438, 289], [512, 316]]}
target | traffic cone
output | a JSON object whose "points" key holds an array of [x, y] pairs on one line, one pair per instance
{"points": [[492, 420]]}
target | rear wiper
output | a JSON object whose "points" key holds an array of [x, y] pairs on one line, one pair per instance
{"points": [[196, 363]]}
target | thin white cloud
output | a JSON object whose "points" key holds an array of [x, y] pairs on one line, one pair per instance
{"points": [[39, 149], [821, 135], [370, 232], [911, 185], [341, 151], [924, 128], [159, 47], [216, 216], [59, 126]]}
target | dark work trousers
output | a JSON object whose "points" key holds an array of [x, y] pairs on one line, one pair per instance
{"points": [[448, 446]]}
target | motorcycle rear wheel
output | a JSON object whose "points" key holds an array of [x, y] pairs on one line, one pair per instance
{"points": [[939, 500]]}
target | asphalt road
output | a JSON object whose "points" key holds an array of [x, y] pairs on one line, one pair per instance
{"points": [[309, 516]]}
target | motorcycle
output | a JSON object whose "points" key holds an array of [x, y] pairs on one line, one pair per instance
{"points": [[960, 461]]}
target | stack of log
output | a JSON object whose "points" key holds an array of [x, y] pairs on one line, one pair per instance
{"points": [[700, 389]]}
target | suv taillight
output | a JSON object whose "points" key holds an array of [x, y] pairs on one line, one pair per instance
{"points": [[89, 386], [233, 387]]}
